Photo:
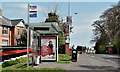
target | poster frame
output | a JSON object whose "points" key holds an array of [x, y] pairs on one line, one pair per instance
{"points": [[56, 49]]}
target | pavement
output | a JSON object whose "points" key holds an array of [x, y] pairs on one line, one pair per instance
{"points": [[87, 62]]}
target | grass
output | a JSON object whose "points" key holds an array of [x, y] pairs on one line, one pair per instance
{"points": [[64, 58], [19, 65], [0, 68]]}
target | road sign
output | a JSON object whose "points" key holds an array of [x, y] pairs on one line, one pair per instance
{"points": [[33, 15], [33, 11]]}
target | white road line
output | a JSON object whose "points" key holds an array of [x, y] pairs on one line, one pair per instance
{"points": [[101, 58], [108, 60], [92, 56]]}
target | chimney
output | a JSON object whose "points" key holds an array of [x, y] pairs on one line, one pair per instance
{"points": [[0, 12]]}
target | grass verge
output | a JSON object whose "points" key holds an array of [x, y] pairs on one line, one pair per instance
{"points": [[0, 68], [19, 65], [64, 58]]}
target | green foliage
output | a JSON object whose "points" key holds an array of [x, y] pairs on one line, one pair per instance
{"points": [[0, 68], [116, 46], [101, 49], [10, 63], [52, 17], [61, 43], [107, 28], [64, 58], [24, 37], [20, 65]]}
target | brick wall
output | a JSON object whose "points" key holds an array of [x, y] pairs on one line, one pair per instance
{"points": [[67, 48], [0, 35]]}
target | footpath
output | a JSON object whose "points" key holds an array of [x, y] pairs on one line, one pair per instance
{"points": [[84, 62]]}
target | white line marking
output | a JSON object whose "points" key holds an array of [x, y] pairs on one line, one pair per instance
{"points": [[108, 60], [92, 56]]}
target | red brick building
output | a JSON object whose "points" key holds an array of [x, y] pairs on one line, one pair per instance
{"points": [[10, 30]]}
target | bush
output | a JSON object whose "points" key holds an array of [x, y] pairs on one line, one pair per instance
{"points": [[13, 62], [101, 49], [116, 46], [64, 58], [61, 49], [61, 43], [10, 63]]}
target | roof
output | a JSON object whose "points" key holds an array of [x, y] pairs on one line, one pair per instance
{"points": [[5, 21], [16, 21], [54, 28]]}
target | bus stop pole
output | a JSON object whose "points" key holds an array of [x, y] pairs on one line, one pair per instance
{"points": [[28, 39]]}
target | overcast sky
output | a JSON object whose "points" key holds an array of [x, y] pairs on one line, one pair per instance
{"points": [[88, 12]]}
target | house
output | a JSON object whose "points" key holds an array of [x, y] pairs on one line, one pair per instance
{"points": [[10, 30]]}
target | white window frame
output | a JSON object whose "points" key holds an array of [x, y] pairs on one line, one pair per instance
{"points": [[4, 29], [4, 40]]}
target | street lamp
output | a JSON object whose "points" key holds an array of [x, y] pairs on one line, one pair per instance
{"points": [[71, 27]]}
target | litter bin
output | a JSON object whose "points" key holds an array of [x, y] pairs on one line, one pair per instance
{"points": [[74, 55]]}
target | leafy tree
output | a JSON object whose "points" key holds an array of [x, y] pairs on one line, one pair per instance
{"points": [[61, 43], [53, 17], [24, 37], [107, 27]]}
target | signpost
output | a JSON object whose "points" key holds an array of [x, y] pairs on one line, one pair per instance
{"points": [[32, 13]]}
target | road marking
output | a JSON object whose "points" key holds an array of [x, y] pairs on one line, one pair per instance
{"points": [[101, 58], [92, 56], [108, 60]]}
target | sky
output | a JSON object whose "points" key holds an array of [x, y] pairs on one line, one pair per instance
{"points": [[87, 13]]}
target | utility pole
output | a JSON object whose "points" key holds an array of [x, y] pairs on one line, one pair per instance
{"points": [[69, 24], [28, 38], [67, 45], [69, 8]]}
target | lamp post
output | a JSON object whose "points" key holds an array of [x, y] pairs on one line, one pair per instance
{"points": [[70, 27]]}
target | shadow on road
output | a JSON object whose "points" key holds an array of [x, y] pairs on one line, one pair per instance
{"points": [[98, 67]]}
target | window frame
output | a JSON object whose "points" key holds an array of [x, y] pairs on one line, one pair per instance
{"points": [[5, 30], [4, 40]]}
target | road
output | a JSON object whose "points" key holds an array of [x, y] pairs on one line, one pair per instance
{"points": [[87, 62], [97, 62]]}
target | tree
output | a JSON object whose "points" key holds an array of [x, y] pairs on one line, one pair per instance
{"points": [[53, 17], [61, 43], [24, 37], [107, 28]]}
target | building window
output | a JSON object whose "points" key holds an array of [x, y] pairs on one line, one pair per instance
{"points": [[4, 42], [19, 32], [5, 30]]}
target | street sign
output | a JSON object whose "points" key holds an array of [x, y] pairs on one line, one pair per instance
{"points": [[33, 15], [33, 11]]}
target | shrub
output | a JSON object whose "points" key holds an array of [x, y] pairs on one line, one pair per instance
{"points": [[10, 63], [101, 49]]}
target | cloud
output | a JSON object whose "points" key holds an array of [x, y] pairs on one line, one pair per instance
{"points": [[20, 8], [82, 29], [42, 9], [17, 5]]}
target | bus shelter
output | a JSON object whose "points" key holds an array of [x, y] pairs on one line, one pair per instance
{"points": [[44, 41]]}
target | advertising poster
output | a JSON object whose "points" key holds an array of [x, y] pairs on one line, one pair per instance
{"points": [[49, 48]]}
